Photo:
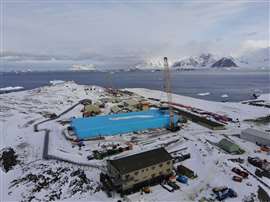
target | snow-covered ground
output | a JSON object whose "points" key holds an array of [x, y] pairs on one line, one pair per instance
{"points": [[19, 111]]}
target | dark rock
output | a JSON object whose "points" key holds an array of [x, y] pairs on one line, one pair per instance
{"points": [[8, 159], [224, 62]]}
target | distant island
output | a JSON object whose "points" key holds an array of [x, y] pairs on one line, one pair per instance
{"points": [[83, 67]]}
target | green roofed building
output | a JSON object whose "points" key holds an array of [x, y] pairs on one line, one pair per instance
{"points": [[230, 147]]}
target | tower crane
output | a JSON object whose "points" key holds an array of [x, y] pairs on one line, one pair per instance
{"points": [[168, 90]]}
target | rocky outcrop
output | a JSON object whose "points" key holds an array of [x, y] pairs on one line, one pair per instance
{"points": [[224, 62]]}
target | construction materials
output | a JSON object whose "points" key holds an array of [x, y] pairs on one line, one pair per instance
{"points": [[237, 160], [173, 185], [262, 173], [90, 110], [181, 158], [109, 152], [182, 170], [208, 123], [224, 192], [146, 190]]}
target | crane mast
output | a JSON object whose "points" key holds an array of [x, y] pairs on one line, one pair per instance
{"points": [[167, 86]]}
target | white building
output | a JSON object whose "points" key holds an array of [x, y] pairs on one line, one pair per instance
{"points": [[256, 136]]}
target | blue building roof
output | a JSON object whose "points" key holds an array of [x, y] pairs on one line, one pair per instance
{"points": [[114, 124]]}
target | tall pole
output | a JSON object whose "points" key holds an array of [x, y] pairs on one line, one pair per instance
{"points": [[168, 90]]}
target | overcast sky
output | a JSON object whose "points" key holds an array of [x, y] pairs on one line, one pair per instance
{"points": [[133, 28]]}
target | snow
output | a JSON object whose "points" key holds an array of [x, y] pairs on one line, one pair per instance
{"points": [[55, 82], [232, 109], [83, 67], [19, 111], [204, 94], [11, 88]]}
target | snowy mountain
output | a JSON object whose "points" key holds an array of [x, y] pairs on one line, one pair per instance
{"points": [[203, 60], [255, 58], [224, 62]]}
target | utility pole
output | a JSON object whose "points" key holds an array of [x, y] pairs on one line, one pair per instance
{"points": [[168, 90]]}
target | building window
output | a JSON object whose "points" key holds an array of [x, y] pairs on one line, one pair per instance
{"points": [[168, 162], [146, 169], [153, 167], [153, 175], [160, 165], [142, 170], [136, 173], [168, 170]]}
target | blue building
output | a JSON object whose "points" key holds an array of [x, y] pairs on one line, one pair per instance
{"points": [[114, 124]]}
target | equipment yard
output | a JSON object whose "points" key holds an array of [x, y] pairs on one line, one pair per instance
{"points": [[52, 161]]}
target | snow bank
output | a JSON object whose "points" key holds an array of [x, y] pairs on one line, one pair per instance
{"points": [[11, 88], [204, 94], [55, 82]]}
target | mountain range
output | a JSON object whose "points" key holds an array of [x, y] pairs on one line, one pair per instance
{"points": [[258, 58]]}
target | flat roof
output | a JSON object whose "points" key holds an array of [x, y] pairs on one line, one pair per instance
{"points": [[256, 133], [141, 160]]}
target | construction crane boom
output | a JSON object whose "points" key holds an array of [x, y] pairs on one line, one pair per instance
{"points": [[168, 90]]}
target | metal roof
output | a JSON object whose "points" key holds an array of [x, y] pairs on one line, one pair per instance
{"points": [[229, 146], [254, 132], [141, 160]]}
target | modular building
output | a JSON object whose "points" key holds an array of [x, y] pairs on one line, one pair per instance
{"points": [[92, 127], [133, 172], [230, 147], [256, 136]]}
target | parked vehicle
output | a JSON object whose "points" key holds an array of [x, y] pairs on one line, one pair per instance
{"points": [[224, 192], [240, 172], [265, 148], [237, 160], [167, 187], [173, 185], [183, 179], [260, 163], [237, 178]]}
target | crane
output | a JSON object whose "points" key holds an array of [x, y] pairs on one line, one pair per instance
{"points": [[167, 88]]}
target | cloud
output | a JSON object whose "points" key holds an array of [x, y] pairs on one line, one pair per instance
{"points": [[255, 44], [113, 30]]}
